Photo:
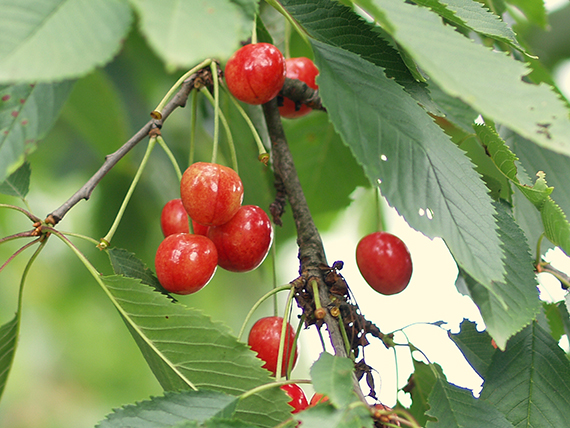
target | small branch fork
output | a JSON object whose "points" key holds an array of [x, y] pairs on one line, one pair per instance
{"points": [[342, 318], [178, 100]]}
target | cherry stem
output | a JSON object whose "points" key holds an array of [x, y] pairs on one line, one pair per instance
{"points": [[315, 286], [227, 129], [157, 112], [20, 250], [377, 195], [109, 236], [294, 347], [26, 234], [193, 127], [214, 68], [270, 385], [344, 336], [170, 155], [179, 100], [23, 211], [274, 266], [258, 303], [284, 335], [263, 155]]}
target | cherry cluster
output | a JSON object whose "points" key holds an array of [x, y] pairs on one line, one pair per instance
{"points": [[255, 74], [226, 234]]}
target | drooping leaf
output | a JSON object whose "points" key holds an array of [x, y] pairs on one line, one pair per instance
{"points": [[187, 350], [8, 342], [475, 346], [474, 16], [18, 183], [333, 377], [400, 147], [513, 303], [169, 410], [337, 25], [489, 81], [326, 415], [52, 40], [184, 33], [556, 226], [419, 387], [27, 113], [530, 381], [456, 407]]}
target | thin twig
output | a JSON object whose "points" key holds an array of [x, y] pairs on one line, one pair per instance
{"points": [[179, 100]]}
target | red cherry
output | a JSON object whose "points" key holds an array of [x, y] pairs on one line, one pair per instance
{"points": [[185, 263], [318, 398], [304, 70], [211, 193], [298, 398], [199, 229], [264, 339], [255, 73], [384, 262], [174, 218], [244, 241]]}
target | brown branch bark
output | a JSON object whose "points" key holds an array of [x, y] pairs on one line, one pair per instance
{"points": [[300, 92], [178, 100], [311, 250]]}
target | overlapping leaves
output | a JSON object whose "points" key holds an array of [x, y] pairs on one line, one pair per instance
{"points": [[400, 147], [489, 81], [187, 350], [556, 226], [530, 381]]}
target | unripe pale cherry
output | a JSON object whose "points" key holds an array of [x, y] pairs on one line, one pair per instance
{"points": [[384, 262], [185, 263], [255, 73], [304, 70], [264, 339], [244, 241], [174, 218], [211, 193]]}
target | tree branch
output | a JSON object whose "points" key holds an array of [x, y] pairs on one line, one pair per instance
{"points": [[300, 92], [178, 100], [311, 250]]}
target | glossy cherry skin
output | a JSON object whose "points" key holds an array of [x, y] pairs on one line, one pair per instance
{"points": [[255, 73], [298, 398], [185, 263], [211, 193], [264, 339], [244, 241], [384, 262], [304, 70], [173, 218]]}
